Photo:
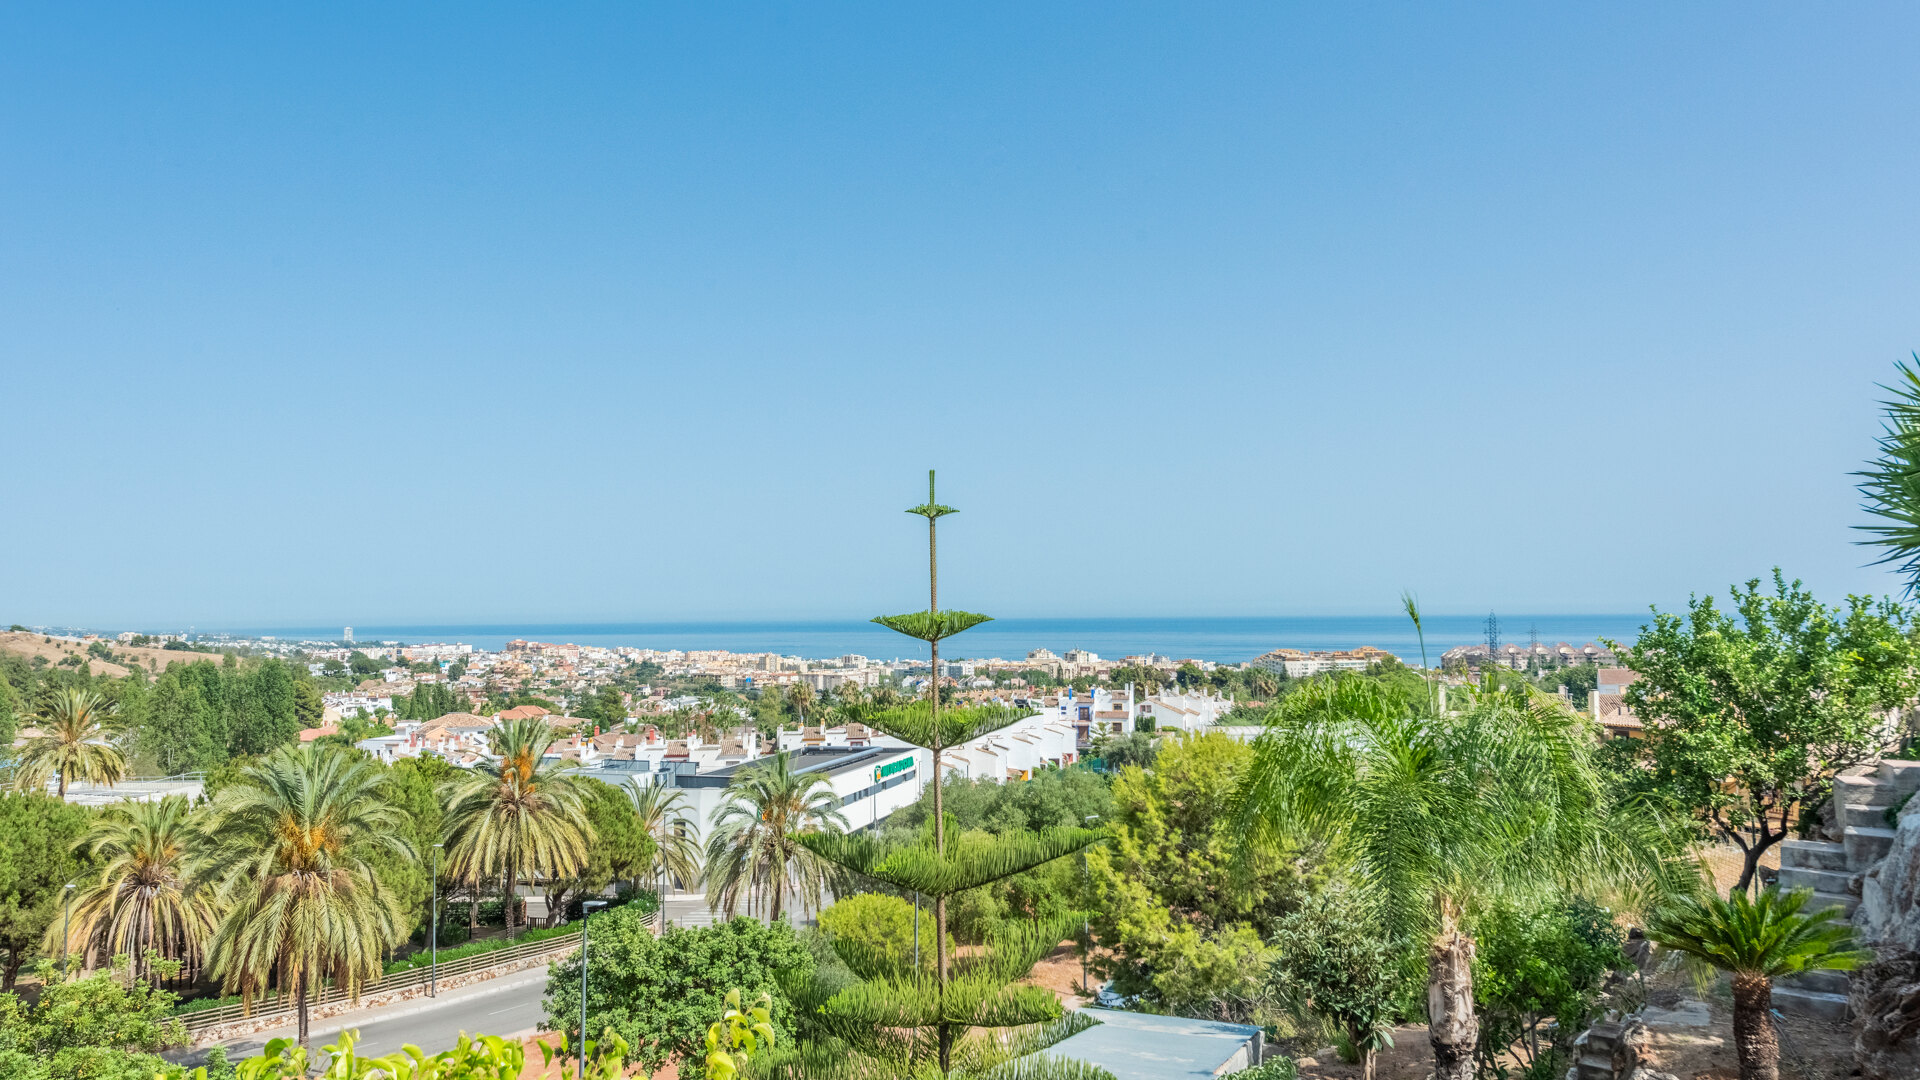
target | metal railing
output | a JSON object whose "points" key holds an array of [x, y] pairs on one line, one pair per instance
{"points": [[269, 1006]]}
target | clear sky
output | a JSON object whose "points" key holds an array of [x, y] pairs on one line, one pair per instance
{"points": [[418, 313]]}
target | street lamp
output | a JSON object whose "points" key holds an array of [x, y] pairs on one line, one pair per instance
{"points": [[586, 912], [433, 929], [66, 930]]}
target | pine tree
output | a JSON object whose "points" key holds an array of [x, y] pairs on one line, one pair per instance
{"points": [[898, 1011]]}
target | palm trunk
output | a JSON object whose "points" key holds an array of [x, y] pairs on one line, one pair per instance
{"points": [[1753, 1036], [304, 1044], [1452, 1027], [473, 914]]}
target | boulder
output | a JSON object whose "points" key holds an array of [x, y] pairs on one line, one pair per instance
{"points": [[1885, 995]]}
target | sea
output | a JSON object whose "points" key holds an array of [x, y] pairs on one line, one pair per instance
{"points": [[1227, 640]]}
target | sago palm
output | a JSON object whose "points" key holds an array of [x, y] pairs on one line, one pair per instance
{"points": [[663, 814], [72, 744], [1431, 814], [146, 896], [755, 852], [289, 844], [1756, 942], [520, 817]]}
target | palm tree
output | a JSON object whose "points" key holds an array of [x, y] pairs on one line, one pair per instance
{"points": [[146, 897], [663, 814], [72, 743], [755, 851], [1757, 941], [520, 817], [1433, 813], [1891, 483], [289, 844]]}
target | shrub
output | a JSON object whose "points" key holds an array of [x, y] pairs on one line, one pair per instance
{"points": [[882, 925], [659, 994]]}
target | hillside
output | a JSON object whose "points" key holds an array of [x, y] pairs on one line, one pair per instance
{"points": [[32, 645]]}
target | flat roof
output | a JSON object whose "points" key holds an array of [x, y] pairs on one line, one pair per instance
{"points": [[1142, 1046], [831, 760]]}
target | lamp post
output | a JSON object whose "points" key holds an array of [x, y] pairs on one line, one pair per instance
{"points": [[433, 929], [586, 912], [66, 929]]}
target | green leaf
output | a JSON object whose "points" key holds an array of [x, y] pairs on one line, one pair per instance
{"points": [[968, 862], [932, 625]]}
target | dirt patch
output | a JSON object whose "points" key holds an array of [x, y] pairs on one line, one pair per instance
{"points": [[32, 645], [1060, 973]]}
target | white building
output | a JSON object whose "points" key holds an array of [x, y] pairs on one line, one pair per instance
{"points": [[1185, 711]]}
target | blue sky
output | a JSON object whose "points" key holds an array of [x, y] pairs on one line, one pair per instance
{"points": [[470, 312]]}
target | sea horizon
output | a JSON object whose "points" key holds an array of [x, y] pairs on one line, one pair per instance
{"points": [[1222, 639]]}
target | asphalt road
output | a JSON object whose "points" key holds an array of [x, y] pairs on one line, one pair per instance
{"points": [[515, 1006]]}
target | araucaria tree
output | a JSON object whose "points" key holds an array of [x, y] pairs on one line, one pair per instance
{"points": [[72, 744], [288, 850], [517, 817], [1751, 714], [1430, 815], [909, 1014], [146, 895], [755, 852]]}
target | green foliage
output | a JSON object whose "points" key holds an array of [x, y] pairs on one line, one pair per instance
{"points": [[1536, 965], [907, 1015], [1278, 1068], [198, 716], [914, 722], [102, 1026], [1116, 752], [932, 625], [429, 701], [72, 743], [618, 847], [1337, 963], [1770, 936], [660, 994], [520, 816], [478, 1057], [1052, 799], [411, 788], [1182, 908], [419, 960], [968, 861], [1751, 714], [742, 1034], [37, 860], [760, 845], [1891, 483], [144, 900], [289, 846], [880, 925]]}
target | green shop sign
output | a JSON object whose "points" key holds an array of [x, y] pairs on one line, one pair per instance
{"points": [[881, 772]]}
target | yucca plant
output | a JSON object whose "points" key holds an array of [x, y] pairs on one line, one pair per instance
{"points": [[1757, 941], [934, 1010]]}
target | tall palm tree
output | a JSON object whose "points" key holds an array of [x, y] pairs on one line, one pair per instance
{"points": [[520, 817], [72, 743], [755, 852], [1891, 483], [1757, 941], [1431, 814], [146, 897], [663, 814], [288, 850]]}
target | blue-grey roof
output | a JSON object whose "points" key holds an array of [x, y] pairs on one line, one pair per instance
{"points": [[1141, 1046]]}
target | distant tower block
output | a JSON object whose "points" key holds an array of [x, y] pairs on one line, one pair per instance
{"points": [[348, 635]]}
